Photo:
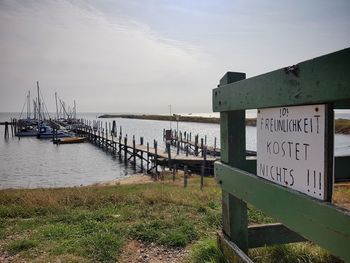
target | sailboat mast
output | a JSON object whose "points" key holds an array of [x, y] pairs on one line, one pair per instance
{"points": [[34, 103], [56, 106], [75, 111], [39, 110], [28, 105]]}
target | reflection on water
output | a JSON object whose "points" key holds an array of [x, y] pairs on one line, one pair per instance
{"points": [[32, 163]]}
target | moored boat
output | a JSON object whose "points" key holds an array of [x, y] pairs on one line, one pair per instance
{"points": [[46, 132], [71, 140]]}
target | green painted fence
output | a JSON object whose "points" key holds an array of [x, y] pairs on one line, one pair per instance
{"points": [[325, 80]]}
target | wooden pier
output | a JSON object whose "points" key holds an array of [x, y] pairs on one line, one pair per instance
{"points": [[182, 140], [147, 156]]}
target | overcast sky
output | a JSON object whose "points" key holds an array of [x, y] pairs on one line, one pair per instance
{"points": [[142, 55]]}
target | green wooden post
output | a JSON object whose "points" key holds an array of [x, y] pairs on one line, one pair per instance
{"points": [[233, 151]]}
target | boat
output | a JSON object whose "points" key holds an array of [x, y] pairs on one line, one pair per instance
{"points": [[46, 132], [27, 131], [71, 140]]}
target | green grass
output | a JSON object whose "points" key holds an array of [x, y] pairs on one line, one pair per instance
{"points": [[92, 224], [17, 246], [206, 251]]}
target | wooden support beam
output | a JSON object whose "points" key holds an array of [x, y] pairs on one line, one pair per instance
{"points": [[318, 221], [231, 252], [271, 234]]}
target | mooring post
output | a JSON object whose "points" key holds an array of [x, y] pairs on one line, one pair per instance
{"points": [[125, 147], [106, 135], [196, 145], [6, 135], [114, 128], [141, 140], [120, 144], [134, 149], [169, 155], [204, 150], [155, 156], [185, 176], [147, 157], [142, 161], [11, 127], [214, 143], [202, 147], [178, 148], [205, 139], [186, 150]]}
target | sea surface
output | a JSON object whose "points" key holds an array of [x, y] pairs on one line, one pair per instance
{"points": [[34, 163]]}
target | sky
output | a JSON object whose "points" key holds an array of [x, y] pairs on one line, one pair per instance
{"points": [[140, 56]]}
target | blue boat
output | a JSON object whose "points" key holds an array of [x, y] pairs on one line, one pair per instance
{"points": [[46, 132]]}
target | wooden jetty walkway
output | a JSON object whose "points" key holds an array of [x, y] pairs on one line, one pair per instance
{"points": [[148, 157], [182, 140]]}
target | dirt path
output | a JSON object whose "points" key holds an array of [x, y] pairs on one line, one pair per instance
{"points": [[136, 251]]}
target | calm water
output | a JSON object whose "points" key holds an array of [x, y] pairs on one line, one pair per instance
{"points": [[32, 163]]}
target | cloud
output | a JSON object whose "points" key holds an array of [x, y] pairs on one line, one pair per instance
{"points": [[106, 64]]}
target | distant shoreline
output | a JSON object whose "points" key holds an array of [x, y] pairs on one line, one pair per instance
{"points": [[341, 125], [198, 119]]}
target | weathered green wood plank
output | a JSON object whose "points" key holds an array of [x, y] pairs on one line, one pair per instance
{"points": [[317, 221], [319, 80], [232, 253], [233, 152], [271, 234]]}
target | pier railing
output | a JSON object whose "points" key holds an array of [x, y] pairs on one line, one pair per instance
{"points": [[307, 212]]}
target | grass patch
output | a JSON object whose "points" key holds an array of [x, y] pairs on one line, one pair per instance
{"points": [[20, 245], [290, 253], [91, 224], [207, 251], [172, 233]]}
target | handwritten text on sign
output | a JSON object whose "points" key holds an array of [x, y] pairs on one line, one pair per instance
{"points": [[291, 147]]}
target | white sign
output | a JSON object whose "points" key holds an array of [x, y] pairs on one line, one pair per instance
{"points": [[291, 148]]}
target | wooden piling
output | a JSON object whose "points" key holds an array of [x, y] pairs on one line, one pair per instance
{"points": [[120, 144], [6, 134], [156, 155], [169, 154], [134, 150], [202, 146], [147, 157], [125, 148], [185, 176], [11, 127]]}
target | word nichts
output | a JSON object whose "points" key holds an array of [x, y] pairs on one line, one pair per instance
{"points": [[302, 125], [281, 175]]}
